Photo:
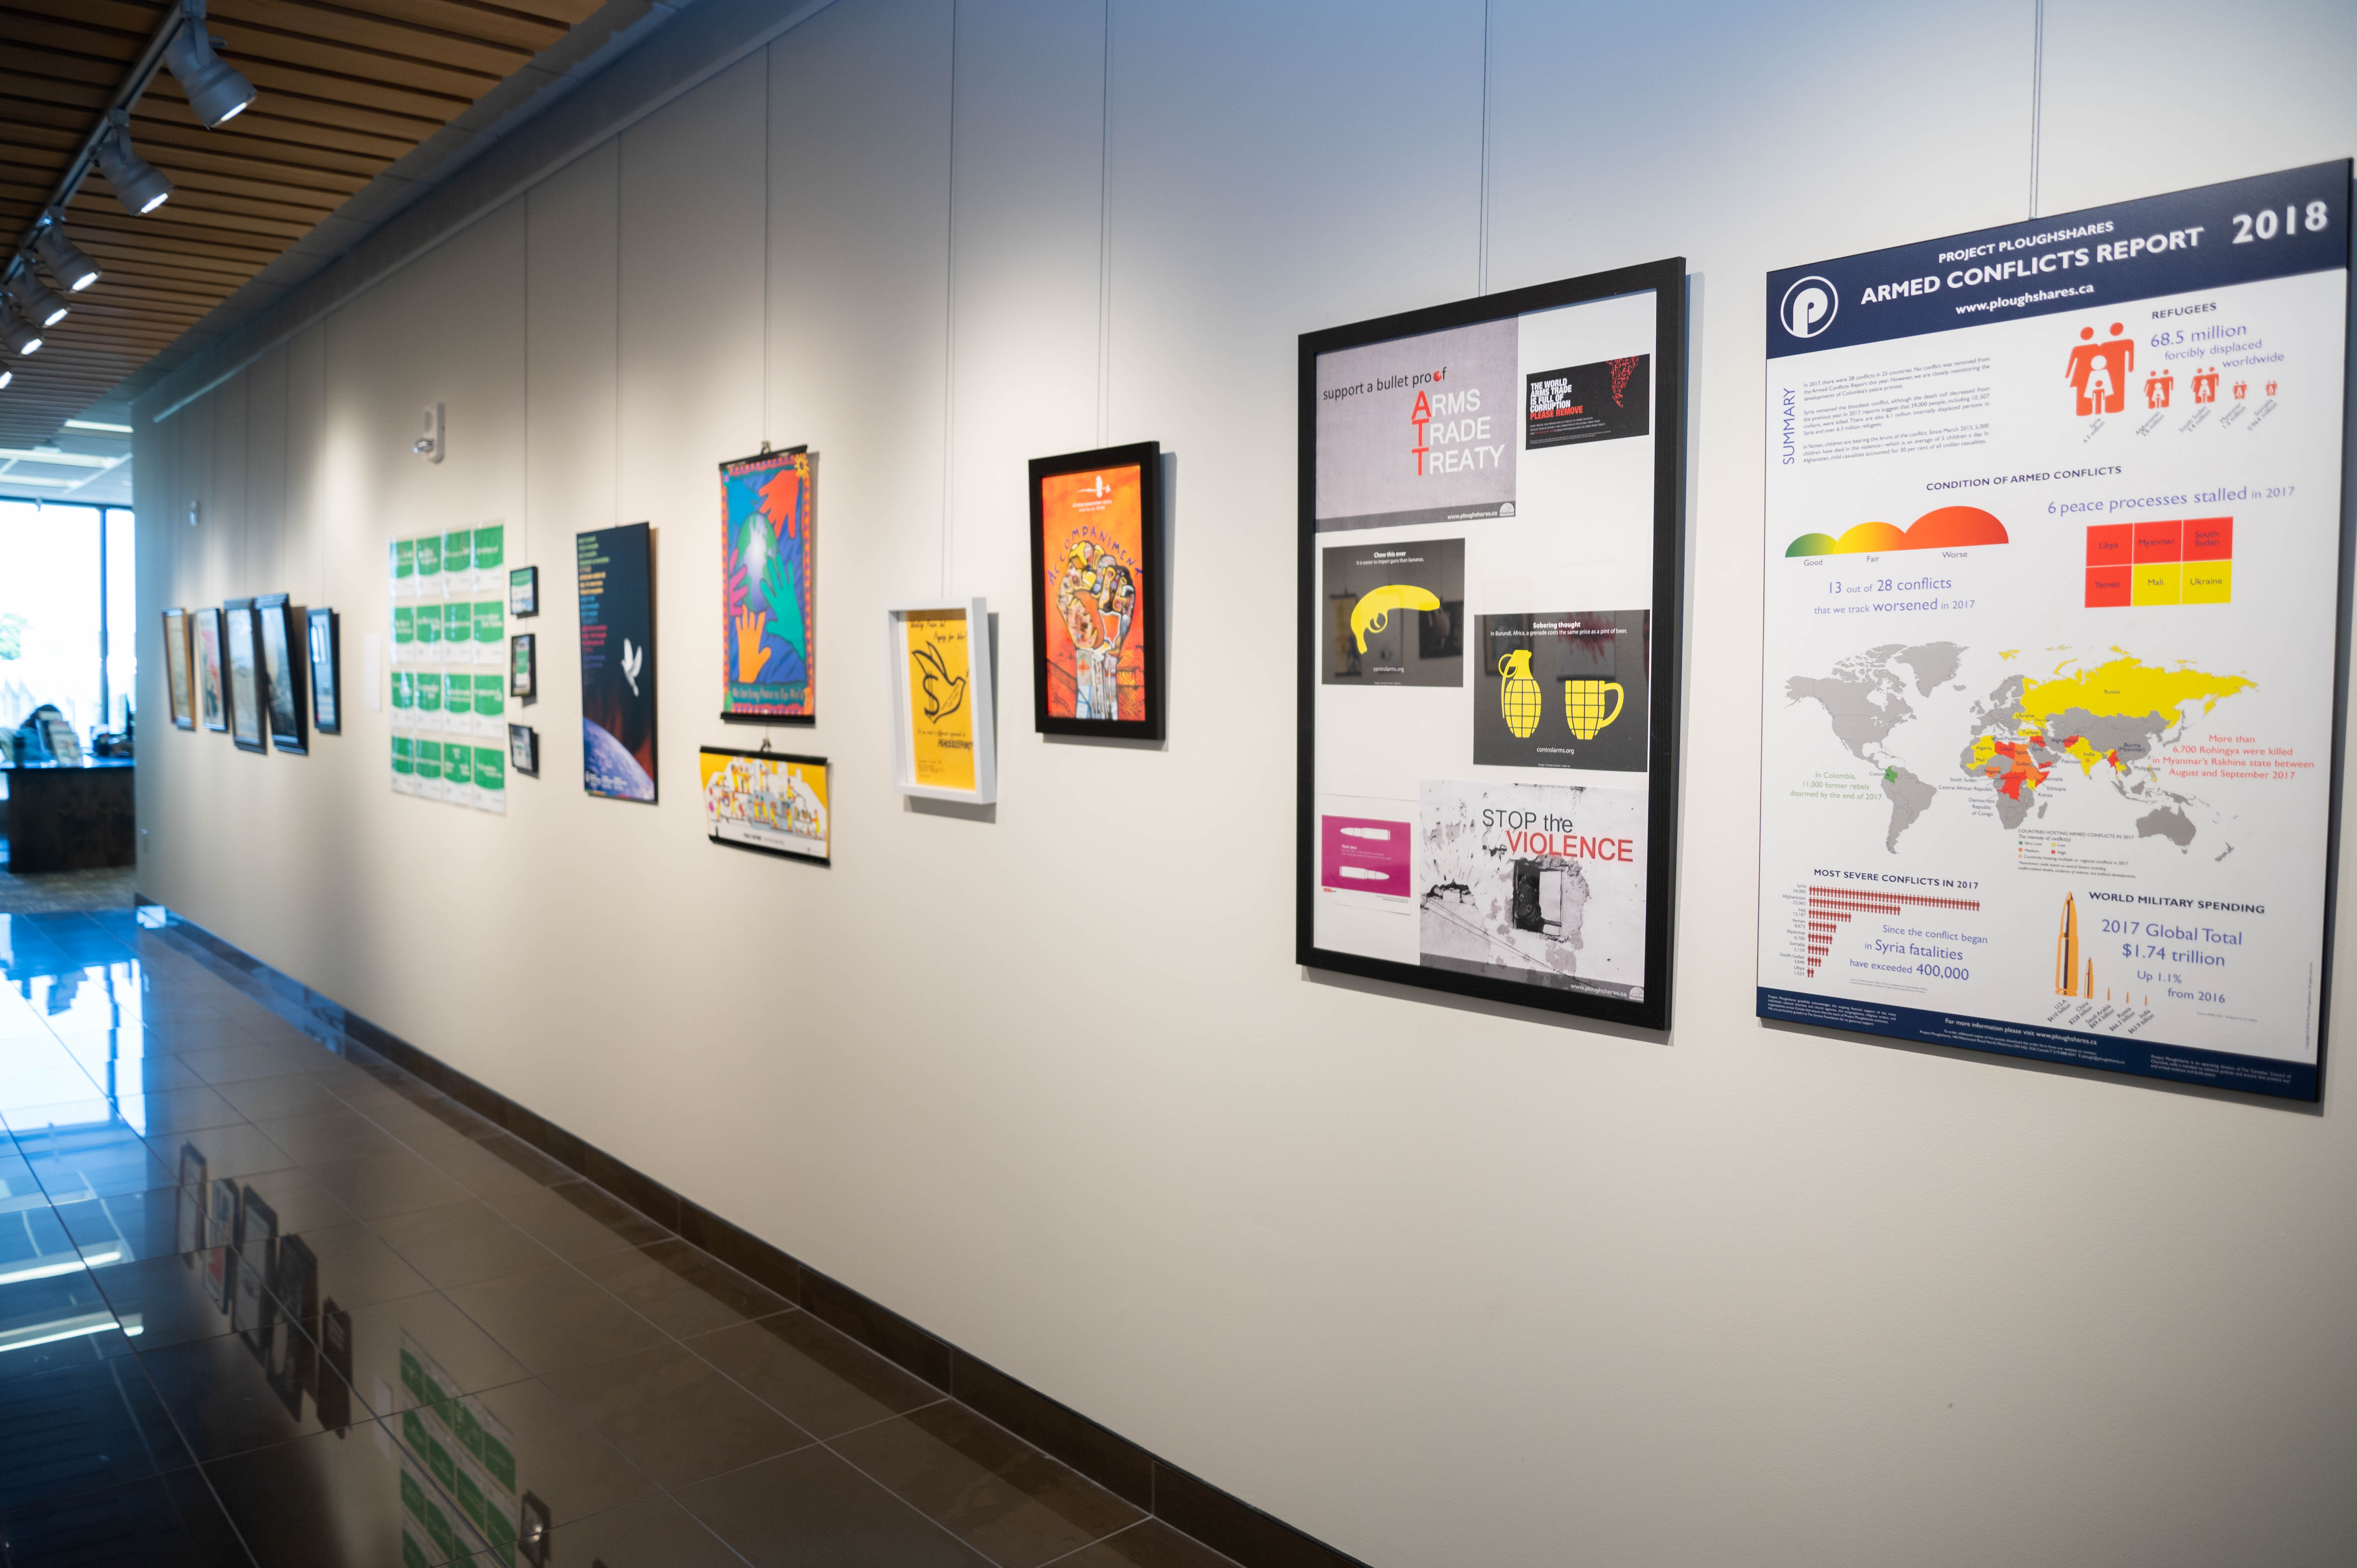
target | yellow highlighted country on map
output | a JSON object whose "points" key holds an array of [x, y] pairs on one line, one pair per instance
{"points": [[2128, 687]]}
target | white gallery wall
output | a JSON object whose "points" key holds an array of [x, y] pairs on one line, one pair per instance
{"points": [[1440, 1282]]}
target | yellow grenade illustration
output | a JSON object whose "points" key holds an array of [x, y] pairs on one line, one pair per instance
{"points": [[1518, 699]]}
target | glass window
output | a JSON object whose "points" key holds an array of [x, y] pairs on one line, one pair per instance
{"points": [[52, 609], [121, 618]]}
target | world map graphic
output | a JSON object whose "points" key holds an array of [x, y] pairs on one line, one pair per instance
{"points": [[2110, 718]]}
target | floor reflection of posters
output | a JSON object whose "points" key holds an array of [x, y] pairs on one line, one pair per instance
{"points": [[252, 1312], [616, 567], [768, 568], [333, 1396], [294, 1283], [212, 707], [189, 1232], [766, 801], [1095, 618]]}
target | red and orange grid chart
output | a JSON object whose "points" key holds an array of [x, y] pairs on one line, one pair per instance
{"points": [[2053, 550]]}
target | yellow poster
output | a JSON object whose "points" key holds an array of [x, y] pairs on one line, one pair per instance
{"points": [[941, 713], [766, 801]]}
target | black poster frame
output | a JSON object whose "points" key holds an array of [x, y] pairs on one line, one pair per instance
{"points": [[1146, 456], [235, 613], [1666, 281], [278, 612]]}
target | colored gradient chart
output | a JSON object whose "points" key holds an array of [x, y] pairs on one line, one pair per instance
{"points": [[1948, 528]]}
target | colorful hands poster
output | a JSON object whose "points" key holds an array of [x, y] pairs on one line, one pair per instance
{"points": [[766, 801], [616, 579], [2053, 541], [768, 568]]}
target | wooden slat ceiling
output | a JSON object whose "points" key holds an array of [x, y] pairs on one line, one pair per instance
{"points": [[345, 91]]}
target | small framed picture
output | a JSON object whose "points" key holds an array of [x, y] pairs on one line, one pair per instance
{"points": [[523, 591], [176, 666], [523, 750], [1096, 592], [241, 650], [766, 801], [524, 668], [327, 674], [277, 620], [212, 691], [942, 733]]}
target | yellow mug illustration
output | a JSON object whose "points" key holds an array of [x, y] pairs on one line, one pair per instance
{"points": [[1373, 610], [1583, 706], [1519, 700]]}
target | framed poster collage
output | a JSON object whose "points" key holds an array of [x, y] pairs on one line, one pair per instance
{"points": [[1491, 555]]}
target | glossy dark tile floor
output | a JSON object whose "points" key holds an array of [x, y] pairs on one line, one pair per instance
{"points": [[266, 1299]]}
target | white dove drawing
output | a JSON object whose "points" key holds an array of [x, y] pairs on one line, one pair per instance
{"points": [[633, 660]]}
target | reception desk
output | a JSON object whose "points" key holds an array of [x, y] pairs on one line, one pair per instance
{"points": [[74, 816]]}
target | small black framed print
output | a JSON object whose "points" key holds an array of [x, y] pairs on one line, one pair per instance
{"points": [[524, 668]]}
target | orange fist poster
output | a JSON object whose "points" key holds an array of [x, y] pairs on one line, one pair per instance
{"points": [[1094, 577], [1096, 596]]}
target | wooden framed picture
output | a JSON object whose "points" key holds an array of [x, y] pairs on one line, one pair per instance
{"points": [[326, 673], [1096, 593], [277, 625], [177, 672], [212, 689], [242, 654], [943, 731], [523, 667]]}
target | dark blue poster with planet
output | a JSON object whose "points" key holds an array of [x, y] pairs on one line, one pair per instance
{"points": [[616, 568]]}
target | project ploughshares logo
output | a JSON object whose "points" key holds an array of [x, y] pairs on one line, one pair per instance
{"points": [[1809, 306]]}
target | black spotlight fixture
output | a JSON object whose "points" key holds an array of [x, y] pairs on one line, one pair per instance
{"points": [[138, 185], [64, 259], [19, 338], [34, 300], [215, 89]]}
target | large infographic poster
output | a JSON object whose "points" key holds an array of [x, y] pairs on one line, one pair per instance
{"points": [[1491, 580], [2053, 541]]}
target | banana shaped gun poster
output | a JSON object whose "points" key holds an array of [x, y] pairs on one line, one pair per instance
{"points": [[1490, 626]]}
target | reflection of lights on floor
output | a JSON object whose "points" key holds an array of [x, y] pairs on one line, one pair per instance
{"points": [[42, 1271], [62, 1329]]}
